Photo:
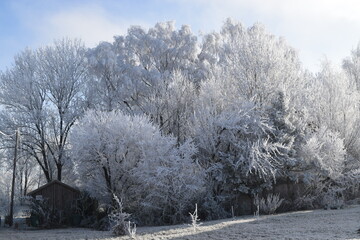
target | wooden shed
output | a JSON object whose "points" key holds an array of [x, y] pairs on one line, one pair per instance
{"points": [[59, 195]]}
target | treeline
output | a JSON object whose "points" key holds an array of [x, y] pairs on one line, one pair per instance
{"points": [[165, 120]]}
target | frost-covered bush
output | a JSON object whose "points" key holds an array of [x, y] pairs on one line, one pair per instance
{"points": [[131, 230], [237, 150], [195, 221], [118, 218], [170, 185], [325, 157], [5, 189], [4, 207], [156, 177], [46, 216], [269, 204], [304, 202], [333, 199], [324, 150], [211, 207]]}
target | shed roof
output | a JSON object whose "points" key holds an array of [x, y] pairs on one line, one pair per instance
{"points": [[53, 182]]}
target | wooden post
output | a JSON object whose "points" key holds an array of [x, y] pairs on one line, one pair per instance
{"points": [[11, 215]]}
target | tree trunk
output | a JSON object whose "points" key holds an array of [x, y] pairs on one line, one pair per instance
{"points": [[59, 170]]}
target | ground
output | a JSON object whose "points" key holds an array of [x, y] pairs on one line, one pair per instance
{"points": [[317, 224]]}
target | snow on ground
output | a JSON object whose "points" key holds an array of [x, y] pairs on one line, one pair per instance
{"points": [[318, 224]]}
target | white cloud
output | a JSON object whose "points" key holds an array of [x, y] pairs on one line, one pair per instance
{"points": [[91, 23], [39, 23], [344, 9]]}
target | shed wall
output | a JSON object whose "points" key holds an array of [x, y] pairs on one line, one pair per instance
{"points": [[59, 197]]}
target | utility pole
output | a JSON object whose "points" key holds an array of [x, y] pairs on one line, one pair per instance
{"points": [[11, 215]]}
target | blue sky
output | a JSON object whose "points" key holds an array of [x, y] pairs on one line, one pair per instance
{"points": [[314, 28]]}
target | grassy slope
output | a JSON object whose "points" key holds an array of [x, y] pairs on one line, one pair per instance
{"points": [[318, 224]]}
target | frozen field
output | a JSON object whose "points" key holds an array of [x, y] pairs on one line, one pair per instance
{"points": [[318, 224]]}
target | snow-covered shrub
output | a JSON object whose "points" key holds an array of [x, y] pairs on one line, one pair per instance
{"points": [[237, 150], [46, 216], [170, 185], [156, 177], [86, 208], [269, 204], [5, 189], [131, 230], [101, 220], [86, 205], [4, 207], [333, 199], [257, 212], [304, 202], [119, 218], [195, 221], [350, 181], [210, 207], [325, 157], [325, 151]]}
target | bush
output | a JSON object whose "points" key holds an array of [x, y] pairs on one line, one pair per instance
{"points": [[86, 205], [210, 208], [83, 211], [43, 215], [304, 203], [195, 219], [333, 199], [269, 204], [7, 220], [118, 218]]}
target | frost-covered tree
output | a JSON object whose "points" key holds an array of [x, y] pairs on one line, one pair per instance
{"points": [[153, 72], [23, 96], [351, 65], [351, 101], [63, 73], [325, 151], [256, 116], [162, 49], [27, 170], [337, 101], [332, 102], [288, 132], [172, 106], [131, 68], [128, 156], [329, 130], [110, 86], [239, 130], [43, 95], [254, 63]]}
